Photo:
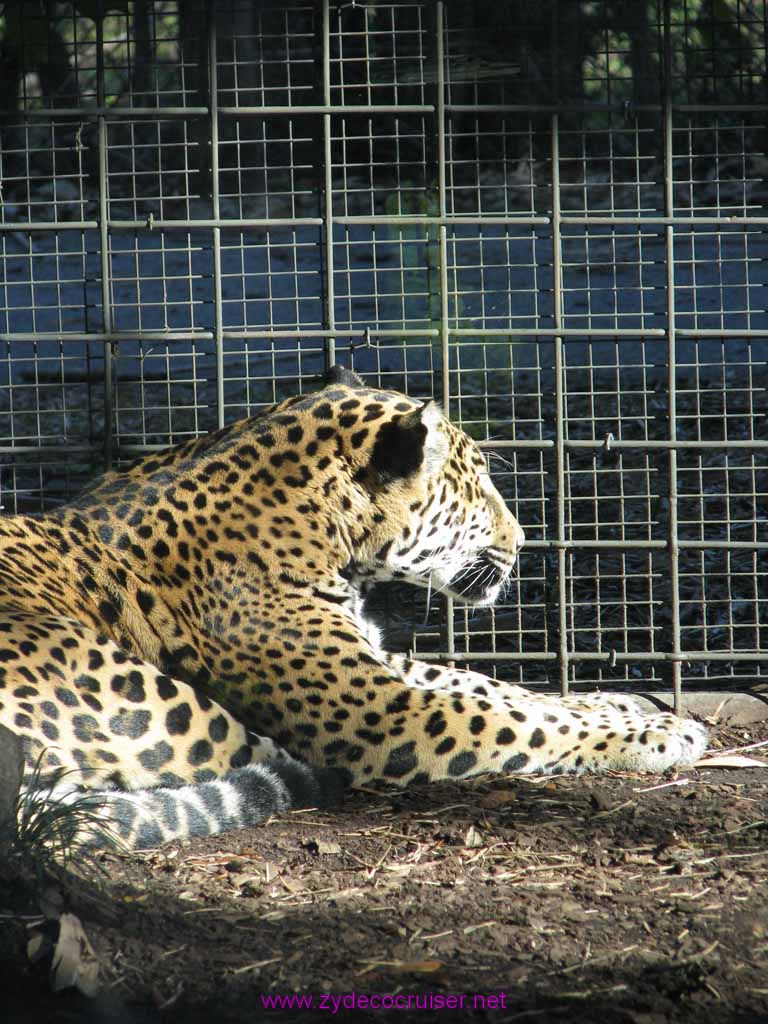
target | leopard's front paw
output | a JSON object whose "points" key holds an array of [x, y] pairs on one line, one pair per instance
{"points": [[663, 741]]}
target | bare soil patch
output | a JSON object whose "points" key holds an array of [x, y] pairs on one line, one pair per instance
{"points": [[615, 899]]}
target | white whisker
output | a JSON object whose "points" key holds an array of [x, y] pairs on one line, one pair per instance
{"points": [[429, 598]]}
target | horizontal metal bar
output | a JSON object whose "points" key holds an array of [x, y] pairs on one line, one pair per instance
{"points": [[49, 225], [158, 223], [545, 108], [719, 108], [91, 113], [328, 108], [667, 444], [608, 332], [715, 332], [450, 220], [625, 109], [456, 655], [618, 656], [644, 545], [50, 449], [161, 113], [544, 333], [304, 332], [267, 335], [558, 332], [187, 224], [617, 445], [722, 545], [373, 220], [113, 336], [298, 110], [662, 220], [91, 449], [511, 445]]}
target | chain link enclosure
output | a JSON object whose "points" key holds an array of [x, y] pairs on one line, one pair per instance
{"points": [[550, 216]]}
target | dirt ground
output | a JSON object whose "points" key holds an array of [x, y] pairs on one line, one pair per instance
{"points": [[618, 900]]}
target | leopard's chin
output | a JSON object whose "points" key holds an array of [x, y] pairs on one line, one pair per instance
{"points": [[481, 581]]}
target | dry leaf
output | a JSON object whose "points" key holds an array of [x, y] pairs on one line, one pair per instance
{"points": [[271, 871], [248, 881], [638, 858], [497, 798], [664, 785], [730, 761], [417, 966], [74, 962], [289, 845], [327, 846], [399, 869], [37, 946], [473, 839], [471, 928], [293, 885]]}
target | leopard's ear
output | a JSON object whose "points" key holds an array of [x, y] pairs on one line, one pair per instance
{"points": [[341, 375], [416, 440]]}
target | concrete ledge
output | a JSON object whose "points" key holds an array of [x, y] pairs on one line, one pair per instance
{"points": [[734, 707]]}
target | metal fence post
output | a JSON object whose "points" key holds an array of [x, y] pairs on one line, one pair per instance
{"points": [[445, 352], [103, 227], [330, 293], [560, 428], [213, 135], [673, 549]]}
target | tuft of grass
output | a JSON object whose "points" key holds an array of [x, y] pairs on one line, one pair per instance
{"points": [[53, 825]]}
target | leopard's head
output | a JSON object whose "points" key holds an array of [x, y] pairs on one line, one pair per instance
{"points": [[437, 519]]}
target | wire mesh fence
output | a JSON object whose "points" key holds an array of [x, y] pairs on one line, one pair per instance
{"points": [[204, 205]]}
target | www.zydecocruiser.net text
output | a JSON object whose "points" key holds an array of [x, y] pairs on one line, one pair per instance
{"points": [[333, 1002]]}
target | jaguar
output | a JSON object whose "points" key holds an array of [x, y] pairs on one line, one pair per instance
{"points": [[188, 641]]}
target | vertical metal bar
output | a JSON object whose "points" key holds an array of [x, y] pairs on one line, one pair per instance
{"points": [[106, 289], [443, 235], [672, 527], [213, 135], [330, 297], [440, 113], [557, 293], [557, 313], [445, 354]]}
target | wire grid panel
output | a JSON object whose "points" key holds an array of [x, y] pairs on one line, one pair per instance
{"points": [[203, 205]]}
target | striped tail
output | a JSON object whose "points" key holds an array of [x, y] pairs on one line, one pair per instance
{"points": [[146, 818]]}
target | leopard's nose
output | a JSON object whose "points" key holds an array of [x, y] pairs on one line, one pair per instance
{"points": [[518, 539]]}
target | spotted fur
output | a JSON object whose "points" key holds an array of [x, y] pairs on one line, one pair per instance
{"points": [[189, 634]]}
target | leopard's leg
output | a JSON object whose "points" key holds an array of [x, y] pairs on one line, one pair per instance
{"points": [[425, 675], [95, 718], [370, 722]]}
